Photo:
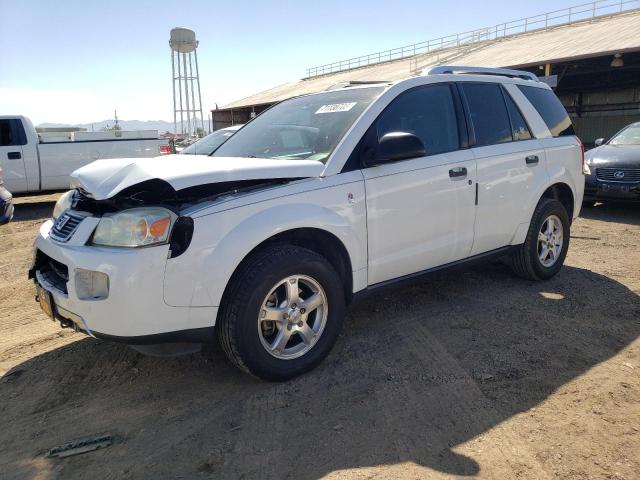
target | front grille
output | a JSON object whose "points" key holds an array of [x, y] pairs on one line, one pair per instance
{"points": [[65, 226], [54, 272], [618, 174]]}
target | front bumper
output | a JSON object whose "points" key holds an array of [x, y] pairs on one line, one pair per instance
{"points": [[134, 311], [6, 205], [595, 189]]}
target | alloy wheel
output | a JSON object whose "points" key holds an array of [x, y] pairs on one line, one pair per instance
{"points": [[292, 317], [550, 241]]}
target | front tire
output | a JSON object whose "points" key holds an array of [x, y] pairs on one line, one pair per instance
{"points": [[542, 254], [281, 313]]}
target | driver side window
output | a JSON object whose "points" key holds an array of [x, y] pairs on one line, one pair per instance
{"points": [[427, 112]]}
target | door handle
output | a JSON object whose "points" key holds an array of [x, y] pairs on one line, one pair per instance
{"points": [[458, 172], [532, 160], [14, 155]]}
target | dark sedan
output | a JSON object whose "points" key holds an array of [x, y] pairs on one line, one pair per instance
{"points": [[615, 168]]}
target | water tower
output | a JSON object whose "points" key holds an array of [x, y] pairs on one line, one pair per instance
{"points": [[183, 45]]}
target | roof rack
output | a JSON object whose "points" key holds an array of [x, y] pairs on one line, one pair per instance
{"points": [[505, 72], [354, 83]]}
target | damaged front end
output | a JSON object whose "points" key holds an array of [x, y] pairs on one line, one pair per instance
{"points": [[157, 193], [143, 202]]}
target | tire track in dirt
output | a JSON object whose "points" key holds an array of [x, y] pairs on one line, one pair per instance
{"points": [[445, 379], [471, 371]]}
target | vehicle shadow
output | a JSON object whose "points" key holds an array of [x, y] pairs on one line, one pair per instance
{"points": [[418, 371], [618, 212]]}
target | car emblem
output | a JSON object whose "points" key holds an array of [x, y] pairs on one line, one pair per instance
{"points": [[619, 175], [61, 222]]}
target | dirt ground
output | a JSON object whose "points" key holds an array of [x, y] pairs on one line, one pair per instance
{"points": [[472, 373]]}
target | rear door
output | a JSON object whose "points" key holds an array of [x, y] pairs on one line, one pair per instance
{"points": [[420, 211], [510, 164], [563, 153], [12, 138]]}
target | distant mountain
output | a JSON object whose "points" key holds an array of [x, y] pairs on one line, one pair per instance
{"points": [[160, 125]]}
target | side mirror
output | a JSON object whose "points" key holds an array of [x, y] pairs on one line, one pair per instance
{"points": [[598, 142], [396, 146]]}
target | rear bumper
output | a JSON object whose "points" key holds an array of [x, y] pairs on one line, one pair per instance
{"points": [[6, 205], [595, 189]]}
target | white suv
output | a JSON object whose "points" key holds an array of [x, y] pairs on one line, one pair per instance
{"points": [[324, 196]]}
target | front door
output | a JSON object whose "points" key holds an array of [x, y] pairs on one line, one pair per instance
{"points": [[420, 212], [11, 156]]}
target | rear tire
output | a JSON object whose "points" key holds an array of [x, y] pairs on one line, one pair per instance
{"points": [[263, 326], [545, 247]]}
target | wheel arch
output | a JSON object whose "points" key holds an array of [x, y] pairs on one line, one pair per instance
{"points": [[321, 241], [560, 191], [564, 194]]}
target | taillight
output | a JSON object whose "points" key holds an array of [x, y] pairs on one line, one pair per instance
{"points": [[165, 149], [585, 168]]}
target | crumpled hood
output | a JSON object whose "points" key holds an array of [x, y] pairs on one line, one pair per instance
{"points": [[103, 179]]}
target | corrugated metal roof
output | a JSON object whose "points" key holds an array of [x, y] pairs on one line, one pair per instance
{"points": [[600, 36]]}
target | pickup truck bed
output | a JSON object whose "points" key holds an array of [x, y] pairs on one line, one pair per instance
{"points": [[30, 164]]}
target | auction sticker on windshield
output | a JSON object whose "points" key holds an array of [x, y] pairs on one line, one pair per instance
{"points": [[336, 107]]}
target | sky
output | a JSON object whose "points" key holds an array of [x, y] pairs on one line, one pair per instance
{"points": [[68, 61]]}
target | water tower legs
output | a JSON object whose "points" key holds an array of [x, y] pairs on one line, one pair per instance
{"points": [[183, 42]]}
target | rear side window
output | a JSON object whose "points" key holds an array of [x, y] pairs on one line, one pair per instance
{"points": [[488, 113], [427, 112], [550, 109], [520, 129]]}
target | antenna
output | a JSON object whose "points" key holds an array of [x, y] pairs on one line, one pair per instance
{"points": [[183, 45]]}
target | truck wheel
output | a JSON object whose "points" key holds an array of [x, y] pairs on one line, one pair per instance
{"points": [[281, 313], [543, 252]]}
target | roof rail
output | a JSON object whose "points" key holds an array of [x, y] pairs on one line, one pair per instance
{"points": [[354, 83], [505, 72]]}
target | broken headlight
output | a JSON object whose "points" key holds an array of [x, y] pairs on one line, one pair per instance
{"points": [[63, 203], [138, 227]]}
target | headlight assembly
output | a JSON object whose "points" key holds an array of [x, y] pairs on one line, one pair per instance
{"points": [[138, 227], [63, 203]]}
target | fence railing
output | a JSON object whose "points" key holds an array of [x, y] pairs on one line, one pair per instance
{"points": [[565, 16]]}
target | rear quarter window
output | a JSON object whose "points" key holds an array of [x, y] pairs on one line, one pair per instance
{"points": [[550, 109]]}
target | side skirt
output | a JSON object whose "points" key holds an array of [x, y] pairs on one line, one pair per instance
{"points": [[416, 277]]}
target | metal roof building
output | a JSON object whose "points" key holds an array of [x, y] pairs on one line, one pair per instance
{"points": [[591, 50]]}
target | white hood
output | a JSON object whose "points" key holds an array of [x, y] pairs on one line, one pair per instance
{"points": [[105, 178]]}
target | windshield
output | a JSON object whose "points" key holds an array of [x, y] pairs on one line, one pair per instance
{"points": [[208, 144], [628, 136], [307, 127]]}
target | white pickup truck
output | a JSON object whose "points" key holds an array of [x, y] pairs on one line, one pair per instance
{"points": [[31, 163]]}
